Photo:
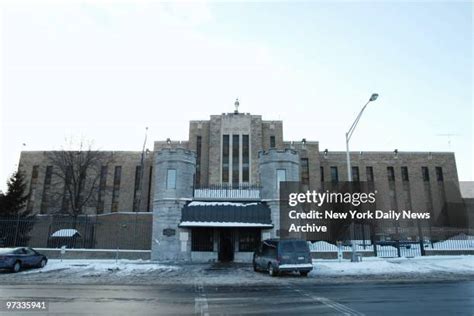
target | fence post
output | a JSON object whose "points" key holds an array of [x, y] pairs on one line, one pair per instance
{"points": [[85, 234], [422, 247], [397, 243], [17, 228], [421, 238], [117, 234]]}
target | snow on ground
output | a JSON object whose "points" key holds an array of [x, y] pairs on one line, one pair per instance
{"points": [[369, 266], [325, 271], [379, 266], [96, 267]]}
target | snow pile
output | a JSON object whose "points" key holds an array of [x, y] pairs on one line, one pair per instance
{"points": [[97, 267], [67, 232], [378, 266]]}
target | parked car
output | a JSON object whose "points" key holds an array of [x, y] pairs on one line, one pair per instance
{"points": [[16, 259], [283, 255]]}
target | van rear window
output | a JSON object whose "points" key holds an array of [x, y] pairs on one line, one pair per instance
{"points": [[291, 246], [301, 246]]}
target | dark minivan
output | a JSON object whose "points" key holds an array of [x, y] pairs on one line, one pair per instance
{"points": [[283, 255]]}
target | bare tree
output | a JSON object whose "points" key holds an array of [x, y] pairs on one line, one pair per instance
{"points": [[79, 172]]}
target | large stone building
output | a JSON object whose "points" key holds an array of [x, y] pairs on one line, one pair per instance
{"points": [[215, 195]]}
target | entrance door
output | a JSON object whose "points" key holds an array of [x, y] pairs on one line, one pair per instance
{"points": [[226, 245]]}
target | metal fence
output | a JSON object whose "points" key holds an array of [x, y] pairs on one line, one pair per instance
{"points": [[399, 248], [92, 232], [225, 192]]}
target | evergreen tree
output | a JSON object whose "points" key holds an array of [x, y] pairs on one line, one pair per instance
{"points": [[15, 221], [13, 202], [2, 201]]}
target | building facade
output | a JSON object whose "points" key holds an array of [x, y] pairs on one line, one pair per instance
{"points": [[215, 195]]}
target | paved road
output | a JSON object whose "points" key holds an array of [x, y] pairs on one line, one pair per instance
{"points": [[286, 298]]}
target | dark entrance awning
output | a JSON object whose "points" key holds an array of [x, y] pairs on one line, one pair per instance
{"points": [[226, 214]]}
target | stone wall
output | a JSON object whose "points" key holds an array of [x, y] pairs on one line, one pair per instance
{"points": [[169, 242]]}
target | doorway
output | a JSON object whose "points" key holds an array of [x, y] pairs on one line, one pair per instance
{"points": [[226, 245]]}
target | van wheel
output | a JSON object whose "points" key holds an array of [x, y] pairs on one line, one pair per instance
{"points": [[271, 270], [304, 273], [16, 267]]}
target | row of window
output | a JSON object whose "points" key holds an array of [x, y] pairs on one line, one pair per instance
{"points": [[171, 178], [102, 186], [370, 174]]}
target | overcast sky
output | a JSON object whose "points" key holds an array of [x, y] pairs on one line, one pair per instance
{"points": [[104, 72]]}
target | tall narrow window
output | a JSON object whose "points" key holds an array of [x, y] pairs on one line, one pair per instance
{"points": [[150, 177], [370, 174], [281, 177], [425, 173], [321, 171], [66, 194], [116, 188], [390, 174], [34, 180], [102, 187], [171, 179], [272, 142], [46, 187], [198, 160], [334, 175], [305, 171], [355, 174], [235, 160], [405, 176], [439, 174], [225, 158], [136, 191], [245, 159]]}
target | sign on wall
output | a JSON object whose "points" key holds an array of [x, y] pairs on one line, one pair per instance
{"points": [[168, 232]]}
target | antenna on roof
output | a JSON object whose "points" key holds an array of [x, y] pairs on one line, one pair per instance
{"points": [[136, 206], [448, 135]]}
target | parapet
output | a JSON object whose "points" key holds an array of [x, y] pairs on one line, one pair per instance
{"points": [[176, 154], [278, 155]]}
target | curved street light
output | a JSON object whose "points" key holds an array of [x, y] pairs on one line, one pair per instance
{"points": [[349, 133]]}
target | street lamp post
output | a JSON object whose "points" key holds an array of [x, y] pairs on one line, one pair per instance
{"points": [[349, 133]]}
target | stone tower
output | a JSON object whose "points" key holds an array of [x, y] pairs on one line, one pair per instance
{"points": [[174, 179], [274, 166]]}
